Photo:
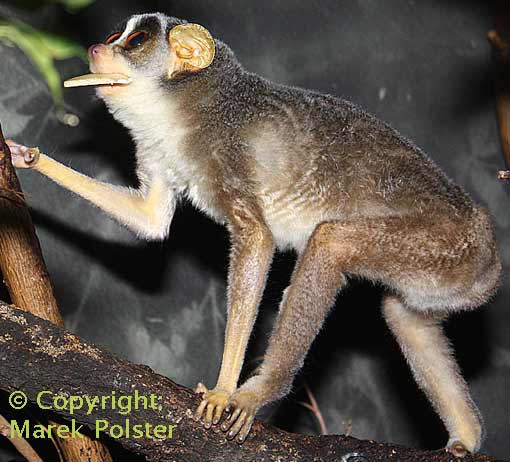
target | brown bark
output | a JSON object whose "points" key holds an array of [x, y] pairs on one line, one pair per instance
{"points": [[27, 280], [60, 361], [20, 444], [500, 40]]}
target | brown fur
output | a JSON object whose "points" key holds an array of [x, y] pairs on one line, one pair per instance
{"points": [[283, 168]]}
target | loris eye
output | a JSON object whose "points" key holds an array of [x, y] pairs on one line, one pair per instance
{"points": [[135, 40], [111, 38]]}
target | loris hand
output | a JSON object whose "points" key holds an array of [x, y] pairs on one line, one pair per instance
{"points": [[23, 157], [212, 406], [240, 407]]}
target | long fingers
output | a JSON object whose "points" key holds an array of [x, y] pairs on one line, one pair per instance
{"points": [[246, 427], [200, 409], [241, 409], [230, 421], [212, 406]]}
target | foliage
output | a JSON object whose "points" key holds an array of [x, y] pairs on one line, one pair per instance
{"points": [[71, 5], [75, 5], [44, 48]]}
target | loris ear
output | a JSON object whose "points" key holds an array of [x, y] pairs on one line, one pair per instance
{"points": [[192, 47]]}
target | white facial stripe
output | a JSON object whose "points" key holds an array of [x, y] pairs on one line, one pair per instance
{"points": [[133, 22], [130, 27]]}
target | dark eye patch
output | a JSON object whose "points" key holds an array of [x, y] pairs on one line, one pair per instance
{"points": [[136, 39], [111, 38]]}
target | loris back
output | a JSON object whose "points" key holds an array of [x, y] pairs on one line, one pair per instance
{"points": [[303, 156]]}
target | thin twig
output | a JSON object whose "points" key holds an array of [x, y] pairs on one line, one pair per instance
{"points": [[314, 407], [20, 443], [348, 428], [54, 442]]}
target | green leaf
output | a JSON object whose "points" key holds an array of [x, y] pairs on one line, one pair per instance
{"points": [[42, 49], [72, 5], [61, 47], [76, 4]]}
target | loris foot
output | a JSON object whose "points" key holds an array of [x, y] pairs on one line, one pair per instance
{"points": [[213, 404], [23, 157], [457, 449], [242, 408]]}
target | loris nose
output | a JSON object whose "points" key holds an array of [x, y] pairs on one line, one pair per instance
{"points": [[95, 50]]}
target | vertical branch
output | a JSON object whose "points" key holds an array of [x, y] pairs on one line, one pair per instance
{"points": [[19, 443], [27, 280], [21, 260], [500, 40]]}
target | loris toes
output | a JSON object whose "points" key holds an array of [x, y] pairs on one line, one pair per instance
{"points": [[243, 426], [242, 407], [458, 449], [239, 424], [200, 388]]}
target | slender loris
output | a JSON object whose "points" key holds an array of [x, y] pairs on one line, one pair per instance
{"points": [[287, 168]]}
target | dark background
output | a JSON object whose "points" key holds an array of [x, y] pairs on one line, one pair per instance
{"points": [[423, 66]]}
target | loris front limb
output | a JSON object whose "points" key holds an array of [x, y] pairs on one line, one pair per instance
{"points": [[147, 211], [314, 284], [251, 254]]}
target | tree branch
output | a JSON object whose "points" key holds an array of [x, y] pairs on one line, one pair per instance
{"points": [[61, 363], [25, 275], [20, 444]]}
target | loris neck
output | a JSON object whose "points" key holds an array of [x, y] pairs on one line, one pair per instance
{"points": [[153, 118]]}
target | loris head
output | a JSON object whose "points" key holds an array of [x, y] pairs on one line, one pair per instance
{"points": [[146, 52]]}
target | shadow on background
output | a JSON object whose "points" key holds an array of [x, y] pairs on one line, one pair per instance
{"points": [[142, 263]]}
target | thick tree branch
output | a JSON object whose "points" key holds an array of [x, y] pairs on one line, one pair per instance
{"points": [[60, 362]]}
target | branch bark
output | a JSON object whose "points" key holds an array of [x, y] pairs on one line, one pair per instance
{"points": [[62, 363], [20, 444], [27, 280]]}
